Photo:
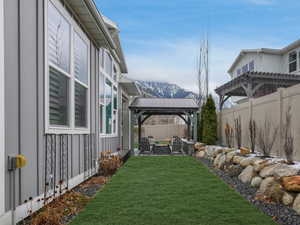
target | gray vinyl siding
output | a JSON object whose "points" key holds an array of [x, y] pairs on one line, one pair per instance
{"points": [[25, 102]]}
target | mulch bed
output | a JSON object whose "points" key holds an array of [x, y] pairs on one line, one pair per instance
{"points": [[280, 213], [64, 208]]}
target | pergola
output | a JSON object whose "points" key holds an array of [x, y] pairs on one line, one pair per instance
{"points": [[249, 84], [144, 108]]}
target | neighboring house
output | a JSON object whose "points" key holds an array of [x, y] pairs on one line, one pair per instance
{"points": [[285, 60], [63, 98], [258, 72]]}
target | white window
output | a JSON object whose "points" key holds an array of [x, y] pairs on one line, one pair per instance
{"points": [[245, 68], [67, 73], [108, 96], [292, 61], [251, 66]]}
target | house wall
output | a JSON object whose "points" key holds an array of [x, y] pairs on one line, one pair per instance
{"points": [[2, 119], [271, 107], [25, 112], [262, 62]]}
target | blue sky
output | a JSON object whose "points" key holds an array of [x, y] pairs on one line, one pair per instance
{"points": [[161, 38]]}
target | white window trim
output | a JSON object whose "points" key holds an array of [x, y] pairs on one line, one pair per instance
{"points": [[114, 84], [74, 29], [296, 60], [2, 111]]}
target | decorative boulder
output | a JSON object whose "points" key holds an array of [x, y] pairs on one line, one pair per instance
{"points": [[199, 146], [256, 181], [222, 161], [234, 170], [244, 151], [213, 151], [291, 183], [265, 184], [230, 155], [285, 171], [216, 161], [274, 192], [237, 159], [247, 174], [260, 164], [296, 204], [287, 199], [269, 170], [248, 161], [200, 154]]}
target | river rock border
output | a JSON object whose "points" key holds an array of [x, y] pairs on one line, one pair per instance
{"points": [[271, 180]]}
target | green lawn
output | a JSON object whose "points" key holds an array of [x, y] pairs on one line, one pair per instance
{"points": [[168, 191]]}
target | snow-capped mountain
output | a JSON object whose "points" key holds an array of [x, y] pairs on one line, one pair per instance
{"points": [[168, 90], [164, 90]]}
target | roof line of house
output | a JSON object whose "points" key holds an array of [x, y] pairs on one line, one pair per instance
{"points": [[264, 50]]}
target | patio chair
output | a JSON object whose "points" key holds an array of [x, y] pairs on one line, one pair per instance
{"points": [[145, 145], [176, 145]]}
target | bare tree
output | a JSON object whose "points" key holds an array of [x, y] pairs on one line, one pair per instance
{"points": [[229, 135], [252, 134], [288, 137], [238, 131], [266, 137]]}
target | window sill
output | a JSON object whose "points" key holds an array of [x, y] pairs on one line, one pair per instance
{"points": [[108, 135], [64, 130]]}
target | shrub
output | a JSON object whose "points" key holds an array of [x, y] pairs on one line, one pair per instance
{"points": [[252, 134], [209, 122], [238, 131], [109, 163], [288, 137], [266, 138], [229, 135]]}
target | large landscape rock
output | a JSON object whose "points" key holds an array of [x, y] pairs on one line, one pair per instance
{"points": [[237, 159], [216, 160], [256, 181], [291, 183], [213, 151], [265, 184], [234, 170], [230, 155], [200, 154], [247, 174], [287, 199], [269, 170], [296, 204], [260, 164], [248, 161], [222, 161], [285, 171], [244, 151], [199, 146]]}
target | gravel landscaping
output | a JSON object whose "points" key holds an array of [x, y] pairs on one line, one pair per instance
{"points": [[280, 213]]}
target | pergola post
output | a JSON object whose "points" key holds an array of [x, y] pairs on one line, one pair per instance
{"points": [[195, 117], [132, 122], [139, 129]]}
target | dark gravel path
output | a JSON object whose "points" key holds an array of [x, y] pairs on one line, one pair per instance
{"points": [[283, 215]]}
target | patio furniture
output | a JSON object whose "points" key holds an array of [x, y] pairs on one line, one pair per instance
{"points": [[161, 149], [145, 145], [176, 145]]}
